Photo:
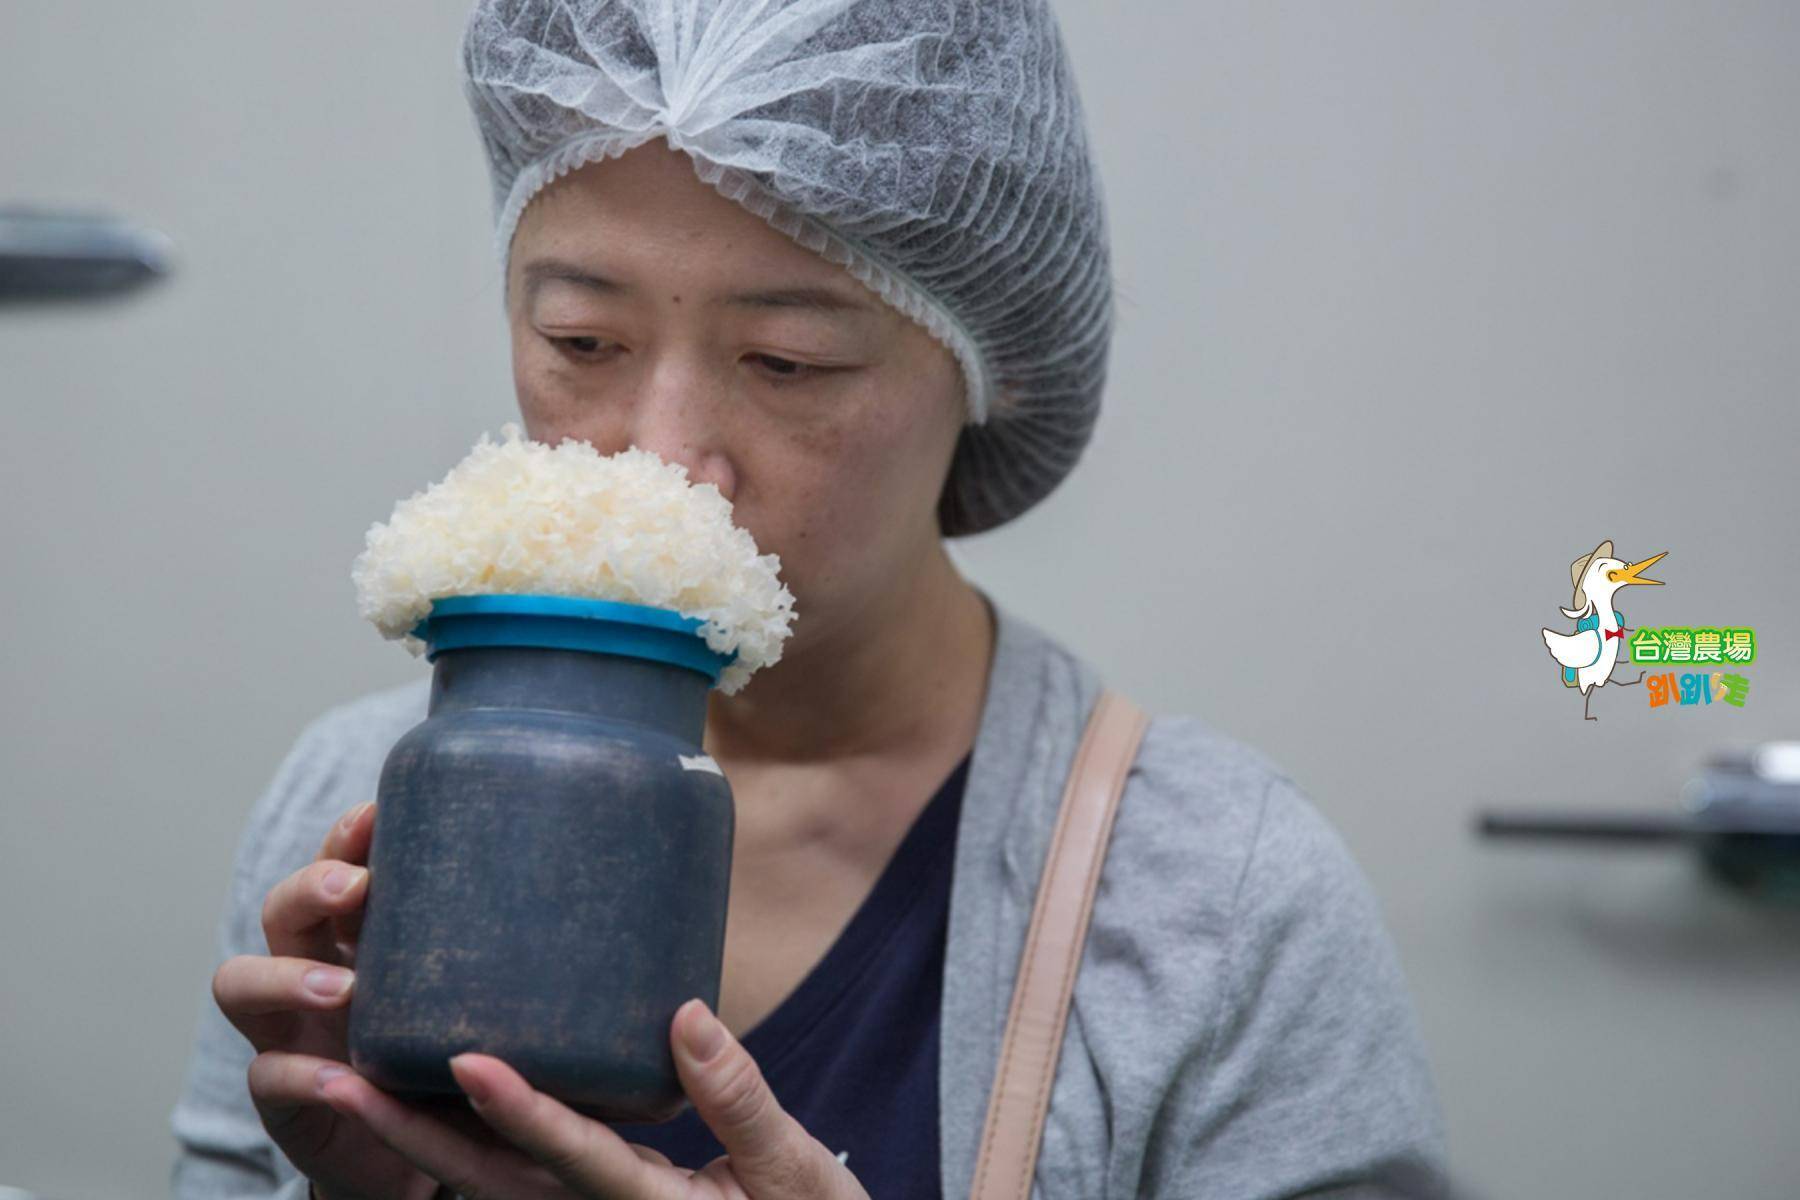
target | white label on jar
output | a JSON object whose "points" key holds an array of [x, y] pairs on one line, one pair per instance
{"points": [[700, 762]]}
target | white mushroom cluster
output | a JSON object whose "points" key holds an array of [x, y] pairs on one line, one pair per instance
{"points": [[522, 517]]}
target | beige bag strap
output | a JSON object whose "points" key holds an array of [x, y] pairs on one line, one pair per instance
{"points": [[1059, 923]]}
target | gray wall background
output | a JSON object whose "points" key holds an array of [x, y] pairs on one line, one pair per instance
{"points": [[1417, 303]]}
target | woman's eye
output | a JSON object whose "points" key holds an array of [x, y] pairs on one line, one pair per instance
{"points": [[580, 347], [786, 369]]}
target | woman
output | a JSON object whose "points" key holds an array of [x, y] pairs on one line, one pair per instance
{"points": [[847, 261]]}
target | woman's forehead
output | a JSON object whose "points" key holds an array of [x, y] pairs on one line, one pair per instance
{"points": [[620, 225], [835, 300], [651, 193]]}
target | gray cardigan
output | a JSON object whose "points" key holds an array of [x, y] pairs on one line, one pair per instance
{"points": [[1240, 1027]]}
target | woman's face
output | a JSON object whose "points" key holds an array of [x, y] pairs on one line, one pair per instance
{"points": [[646, 309]]}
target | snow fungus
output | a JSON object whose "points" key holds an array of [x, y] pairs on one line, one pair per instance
{"points": [[523, 517]]}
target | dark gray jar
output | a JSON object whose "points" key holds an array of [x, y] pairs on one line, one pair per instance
{"points": [[551, 858]]}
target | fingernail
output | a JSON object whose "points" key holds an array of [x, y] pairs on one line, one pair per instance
{"points": [[325, 1075], [705, 1037], [329, 982], [478, 1095], [350, 818], [339, 880]]}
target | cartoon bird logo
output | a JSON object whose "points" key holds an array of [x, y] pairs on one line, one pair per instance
{"points": [[1589, 654]]}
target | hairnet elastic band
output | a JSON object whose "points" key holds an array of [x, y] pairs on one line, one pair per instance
{"points": [[891, 285]]}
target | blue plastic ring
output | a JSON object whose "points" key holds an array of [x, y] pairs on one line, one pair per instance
{"points": [[570, 623]]}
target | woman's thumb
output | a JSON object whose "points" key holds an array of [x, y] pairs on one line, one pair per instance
{"points": [[771, 1154]]}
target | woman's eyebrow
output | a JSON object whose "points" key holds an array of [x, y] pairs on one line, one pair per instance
{"points": [[818, 299]]}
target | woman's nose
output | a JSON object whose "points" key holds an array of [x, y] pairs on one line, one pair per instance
{"points": [[678, 415]]}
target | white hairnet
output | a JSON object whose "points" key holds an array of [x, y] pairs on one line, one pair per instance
{"points": [[935, 148]]}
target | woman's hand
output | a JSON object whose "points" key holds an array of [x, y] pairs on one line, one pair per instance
{"points": [[560, 1153], [293, 1004]]}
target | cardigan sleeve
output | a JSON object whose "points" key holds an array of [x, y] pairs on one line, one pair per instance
{"points": [[223, 1148], [1309, 1077]]}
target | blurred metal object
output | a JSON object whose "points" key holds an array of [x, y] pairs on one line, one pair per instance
{"points": [[1741, 813], [72, 256]]}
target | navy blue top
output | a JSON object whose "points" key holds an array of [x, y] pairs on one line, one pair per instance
{"points": [[852, 1052]]}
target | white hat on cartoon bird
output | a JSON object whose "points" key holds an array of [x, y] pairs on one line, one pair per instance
{"points": [[1579, 567]]}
